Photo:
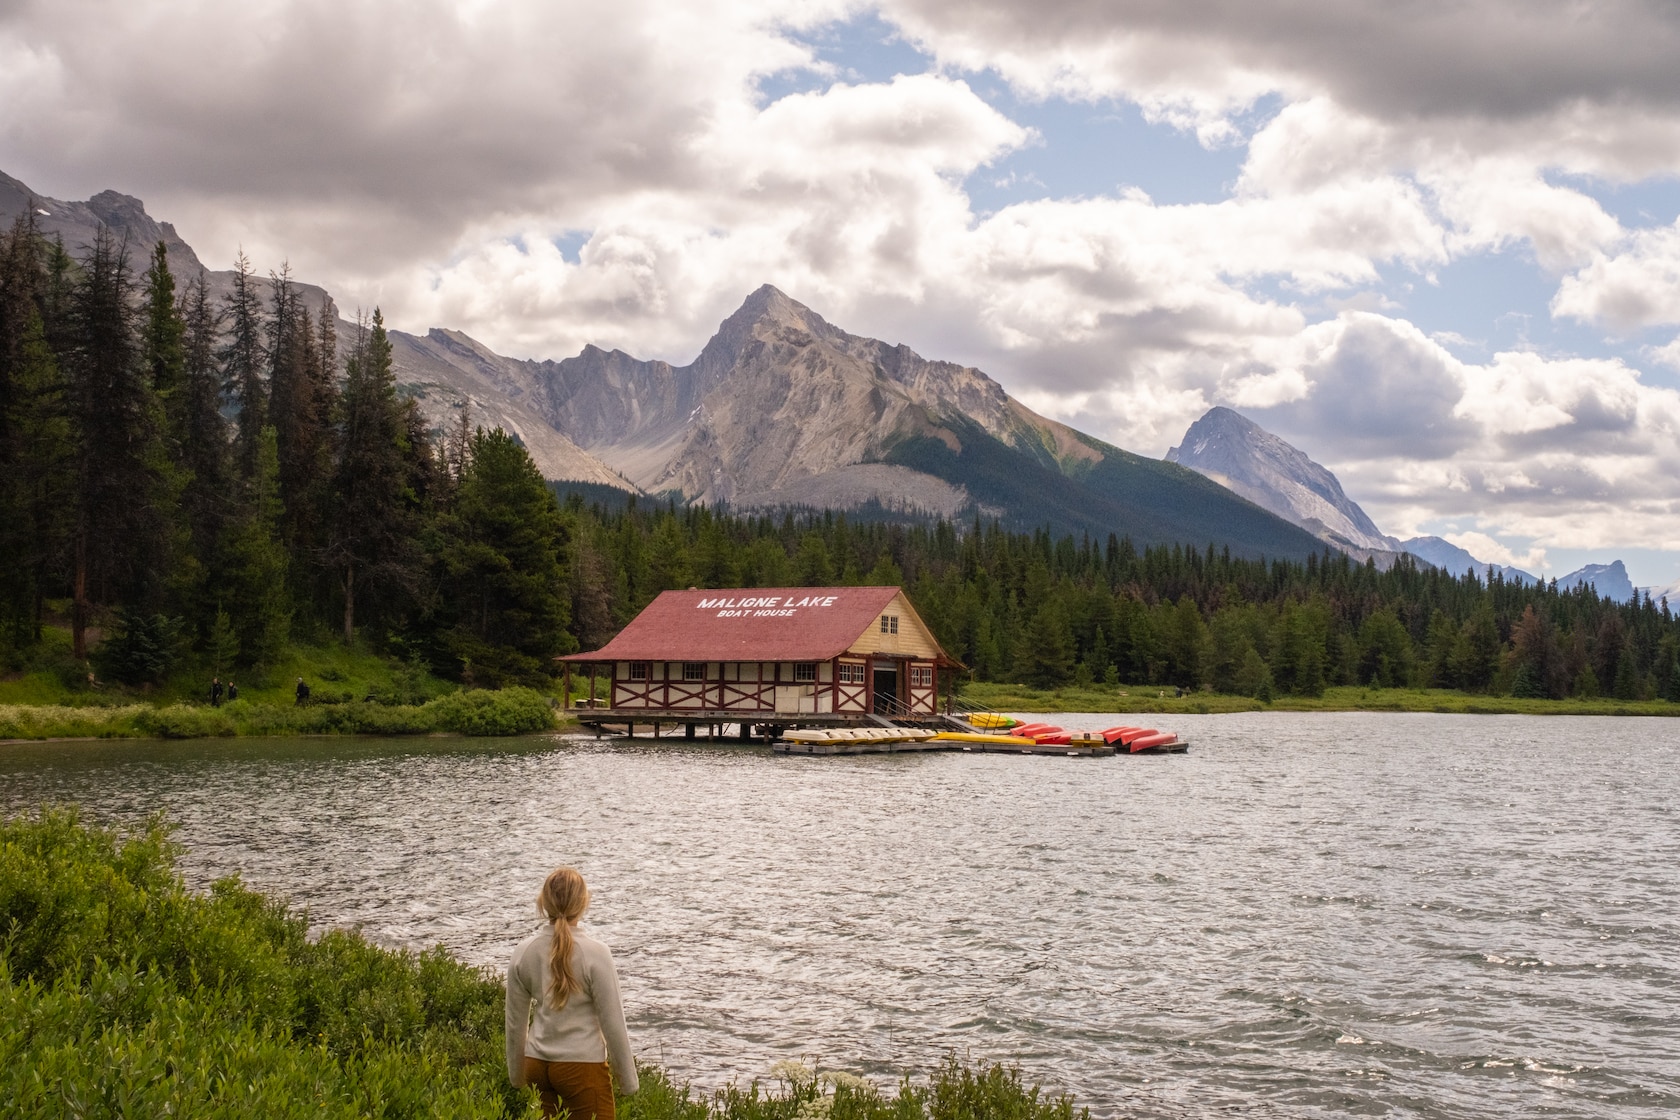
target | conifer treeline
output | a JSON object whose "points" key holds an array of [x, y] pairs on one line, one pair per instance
{"points": [[1033, 608], [206, 478], [184, 475]]}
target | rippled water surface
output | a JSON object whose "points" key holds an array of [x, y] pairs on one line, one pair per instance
{"points": [[1307, 915]]}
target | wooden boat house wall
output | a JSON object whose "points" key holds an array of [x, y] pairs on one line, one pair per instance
{"points": [[774, 653]]}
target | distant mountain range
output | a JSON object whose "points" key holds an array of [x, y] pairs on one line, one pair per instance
{"points": [[1444, 554], [780, 408], [1236, 452]]}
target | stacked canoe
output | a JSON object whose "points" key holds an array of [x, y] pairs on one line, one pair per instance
{"points": [[1004, 730], [1144, 740]]}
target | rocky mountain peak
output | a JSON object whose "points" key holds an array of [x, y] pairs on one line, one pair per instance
{"points": [[767, 315], [79, 222], [1609, 580], [1234, 451]]}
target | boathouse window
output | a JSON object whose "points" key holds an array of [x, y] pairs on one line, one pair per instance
{"points": [[694, 670], [805, 671], [921, 676], [851, 674], [638, 670], [889, 624]]}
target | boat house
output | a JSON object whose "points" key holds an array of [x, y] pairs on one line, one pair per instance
{"points": [[770, 657]]}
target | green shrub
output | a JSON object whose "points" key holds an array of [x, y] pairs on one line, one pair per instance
{"points": [[122, 994], [184, 721], [508, 711]]}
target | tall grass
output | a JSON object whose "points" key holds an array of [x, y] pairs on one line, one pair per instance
{"points": [[509, 711], [122, 994], [1155, 699]]}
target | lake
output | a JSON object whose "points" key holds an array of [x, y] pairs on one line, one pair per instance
{"points": [[1307, 915]]}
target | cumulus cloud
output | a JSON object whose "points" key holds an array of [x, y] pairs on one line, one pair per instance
{"points": [[387, 130], [1637, 285], [1495, 61]]}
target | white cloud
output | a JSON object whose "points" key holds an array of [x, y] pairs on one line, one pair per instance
{"points": [[1490, 551], [1636, 286]]}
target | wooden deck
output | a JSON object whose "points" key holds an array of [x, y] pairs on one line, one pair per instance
{"points": [[782, 746], [753, 725]]}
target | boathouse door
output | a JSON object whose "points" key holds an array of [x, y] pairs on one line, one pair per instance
{"points": [[886, 701]]}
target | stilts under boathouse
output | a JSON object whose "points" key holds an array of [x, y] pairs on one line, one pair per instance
{"points": [[754, 662]]}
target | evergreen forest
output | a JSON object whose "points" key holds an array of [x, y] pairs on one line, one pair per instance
{"points": [[187, 480]]}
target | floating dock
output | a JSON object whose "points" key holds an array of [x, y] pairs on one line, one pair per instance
{"points": [[885, 742]]}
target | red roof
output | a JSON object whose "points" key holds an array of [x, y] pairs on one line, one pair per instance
{"points": [[747, 624]]}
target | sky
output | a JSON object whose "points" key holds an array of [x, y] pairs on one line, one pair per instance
{"points": [[1434, 244]]}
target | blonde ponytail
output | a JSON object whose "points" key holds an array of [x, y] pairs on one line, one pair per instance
{"points": [[563, 900]]}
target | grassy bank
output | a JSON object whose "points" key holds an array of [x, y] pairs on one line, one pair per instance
{"points": [[49, 675], [123, 994], [511, 711], [1153, 699]]}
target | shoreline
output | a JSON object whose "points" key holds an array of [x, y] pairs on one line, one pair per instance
{"points": [[1348, 698], [138, 722]]}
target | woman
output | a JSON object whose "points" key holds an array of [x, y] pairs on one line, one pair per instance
{"points": [[570, 980]]}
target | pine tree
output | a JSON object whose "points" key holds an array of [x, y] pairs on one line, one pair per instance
{"points": [[241, 357], [163, 334], [1049, 646], [504, 594], [199, 437], [252, 588], [296, 409], [120, 539], [375, 520], [35, 448]]}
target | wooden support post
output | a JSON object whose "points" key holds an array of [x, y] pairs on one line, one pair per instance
{"points": [[566, 688], [688, 731]]}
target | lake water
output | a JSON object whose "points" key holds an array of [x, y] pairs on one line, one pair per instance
{"points": [[1307, 915]]}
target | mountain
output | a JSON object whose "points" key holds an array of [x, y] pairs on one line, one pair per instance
{"points": [[1610, 580], [77, 223], [779, 408], [447, 371], [1239, 454], [783, 408], [1449, 557]]}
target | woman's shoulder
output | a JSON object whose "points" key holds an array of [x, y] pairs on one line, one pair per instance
{"points": [[539, 935], [592, 946]]}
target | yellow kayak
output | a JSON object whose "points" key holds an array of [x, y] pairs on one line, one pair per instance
{"points": [[990, 720]]}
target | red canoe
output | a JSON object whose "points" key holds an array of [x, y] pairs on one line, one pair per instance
{"points": [[1153, 742], [1053, 738], [1114, 733]]}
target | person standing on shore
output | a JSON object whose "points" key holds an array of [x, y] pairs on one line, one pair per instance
{"points": [[233, 692], [302, 692], [565, 1024], [215, 692]]}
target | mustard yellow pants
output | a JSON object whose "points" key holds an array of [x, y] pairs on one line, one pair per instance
{"points": [[583, 1089]]}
